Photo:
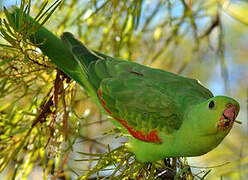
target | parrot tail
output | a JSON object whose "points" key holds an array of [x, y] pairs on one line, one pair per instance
{"points": [[67, 53]]}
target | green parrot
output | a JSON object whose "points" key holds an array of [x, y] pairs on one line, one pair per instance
{"points": [[164, 114]]}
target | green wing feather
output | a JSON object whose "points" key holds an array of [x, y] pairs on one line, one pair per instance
{"points": [[133, 98]]}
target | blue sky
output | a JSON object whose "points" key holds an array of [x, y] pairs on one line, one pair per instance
{"points": [[8, 3]]}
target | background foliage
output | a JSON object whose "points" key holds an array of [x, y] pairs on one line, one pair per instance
{"points": [[49, 128]]}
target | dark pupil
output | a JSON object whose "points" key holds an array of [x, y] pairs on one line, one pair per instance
{"points": [[211, 104]]}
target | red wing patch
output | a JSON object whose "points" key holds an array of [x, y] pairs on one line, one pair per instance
{"points": [[152, 136]]}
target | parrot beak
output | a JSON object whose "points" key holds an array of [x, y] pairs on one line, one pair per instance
{"points": [[228, 116]]}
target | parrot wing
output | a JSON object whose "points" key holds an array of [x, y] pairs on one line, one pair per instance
{"points": [[128, 94], [134, 101]]}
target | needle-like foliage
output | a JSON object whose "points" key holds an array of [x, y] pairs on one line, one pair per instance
{"points": [[44, 115]]}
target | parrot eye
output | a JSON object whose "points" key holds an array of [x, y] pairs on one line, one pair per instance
{"points": [[211, 105]]}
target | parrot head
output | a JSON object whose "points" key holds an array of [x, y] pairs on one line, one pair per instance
{"points": [[215, 115], [206, 124]]}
